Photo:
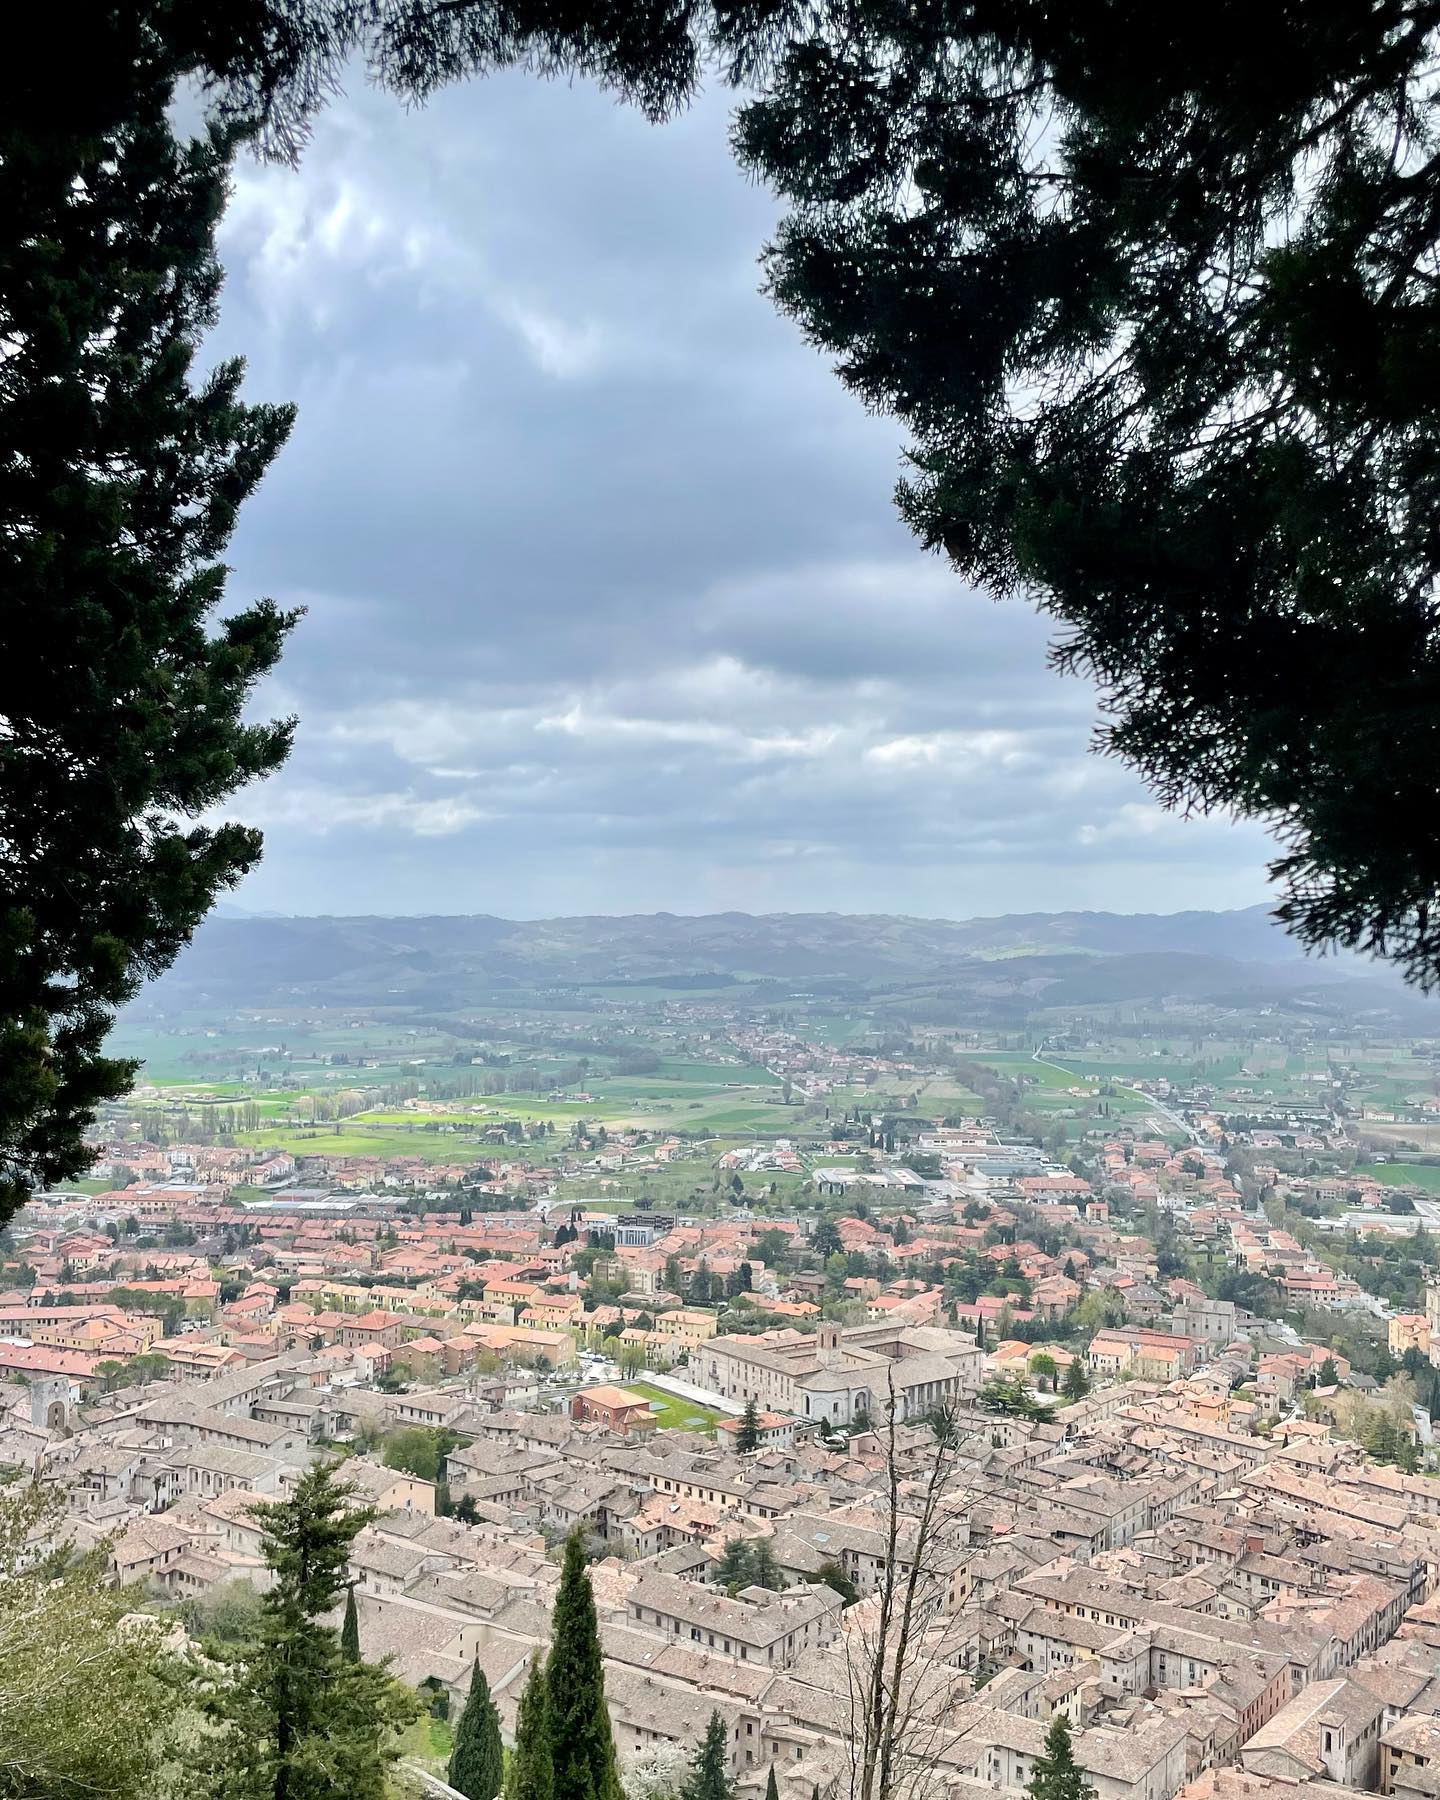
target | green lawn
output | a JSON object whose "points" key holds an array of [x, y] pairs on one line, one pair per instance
{"points": [[673, 1413], [1421, 1175], [428, 1742]]}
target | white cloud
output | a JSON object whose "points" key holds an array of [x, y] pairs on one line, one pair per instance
{"points": [[322, 810], [578, 719], [959, 751], [1134, 820], [559, 348]]}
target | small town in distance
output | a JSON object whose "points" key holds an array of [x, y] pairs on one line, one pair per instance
{"points": [[1118, 1323]]}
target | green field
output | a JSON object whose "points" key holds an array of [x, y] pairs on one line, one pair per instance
{"points": [[1018, 1065], [673, 1413], [1418, 1175], [345, 1140], [278, 1064]]}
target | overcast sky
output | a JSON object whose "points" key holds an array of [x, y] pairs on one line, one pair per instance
{"points": [[609, 609]]}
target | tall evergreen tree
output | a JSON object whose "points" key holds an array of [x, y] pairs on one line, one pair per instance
{"points": [[735, 1566], [834, 1576], [772, 1791], [297, 1720], [1381, 1437], [121, 472], [582, 1749], [1076, 1382], [764, 1570], [477, 1762], [709, 1777], [531, 1773], [350, 1630], [1057, 1774], [825, 1239], [748, 1436]]}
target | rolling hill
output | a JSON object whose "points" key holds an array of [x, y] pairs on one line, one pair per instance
{"points": [[1013, 961]]}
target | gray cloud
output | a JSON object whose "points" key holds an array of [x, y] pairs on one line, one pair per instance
{"points": [[608, 605]]}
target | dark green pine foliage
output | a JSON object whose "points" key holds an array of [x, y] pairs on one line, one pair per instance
{"points": [[122, 684], [734, 1567], [772, 1792], [709, 1777], [296, 1719], [350, 1630], [764, 1570], [531, 1774], [280, 59], [582, 1749], [1057, 1775], [748, 1436], [477, 1763], [1076, 1382], [835, 1577], [825, 1240], [1153, 291]]}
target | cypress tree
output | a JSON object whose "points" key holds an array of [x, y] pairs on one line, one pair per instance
{"points": [[709, 1777], [350, 1630], [530, 1776], [772, 1792], [582, 1749], [748, 1436], [477, 1763]]}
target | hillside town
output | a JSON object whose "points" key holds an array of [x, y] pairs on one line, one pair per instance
{"points": [[1208, 1539], [645, 1154]]}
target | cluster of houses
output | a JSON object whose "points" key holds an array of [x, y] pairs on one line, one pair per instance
{"points": [[1216, 1613], [1223, 1597]]}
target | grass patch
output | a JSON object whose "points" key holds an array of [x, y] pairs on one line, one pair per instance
{"points": [[674, 1413], [1420, 1175], [428, 1741]]}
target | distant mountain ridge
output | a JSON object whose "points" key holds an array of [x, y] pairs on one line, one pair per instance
{"points": [[1029, 959]]}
